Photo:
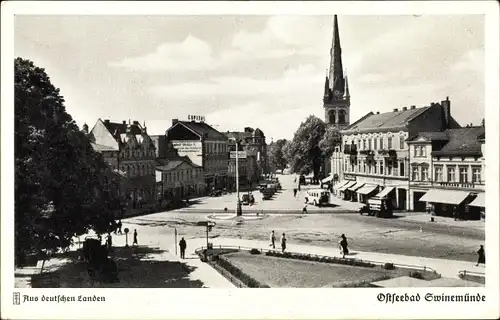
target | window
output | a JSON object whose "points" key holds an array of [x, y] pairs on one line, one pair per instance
{"points": [[451, 174], [364, 144], [359, 144], [381, 167], [422, 151], [438, 173], [359, 165], [364, 166], [402, 169], [381, 143], [375, 167], [425, 173], [401, 142], [369, 144], [464, 172], [415, 151], [476, 174], [415, 173], [375, 144], [389, 142]]}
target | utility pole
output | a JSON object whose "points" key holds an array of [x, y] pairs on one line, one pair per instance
{"points": [[238, 203], [175, 240]]}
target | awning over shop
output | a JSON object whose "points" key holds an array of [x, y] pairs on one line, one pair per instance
{"points": [[356, 186], [367, 189], [327, 179], [445, 196], [347, 185], [341, 184], [385, 192], [480, 201]]}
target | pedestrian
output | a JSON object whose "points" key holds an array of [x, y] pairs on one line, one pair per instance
{"points": [[455, 213], [283, 243], [135, 238], [294, 192], [273, 240], [120, 226], [182, 246], [304, 210], [343, 246], [109, 242], [481, 256]]}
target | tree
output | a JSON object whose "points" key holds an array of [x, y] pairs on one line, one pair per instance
{"points": [[331, 139], [63, 187], [303, 153], [276, 155]]}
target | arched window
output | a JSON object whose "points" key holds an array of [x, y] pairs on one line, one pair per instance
{"points": [[331, 116], [341, 116]]}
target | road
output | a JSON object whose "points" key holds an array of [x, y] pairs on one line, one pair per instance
{"points": [[403, 235]]}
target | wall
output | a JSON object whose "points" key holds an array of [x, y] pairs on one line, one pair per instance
{"points": [[191, 148], [101, 135]]}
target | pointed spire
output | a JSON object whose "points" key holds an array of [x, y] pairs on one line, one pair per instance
{"points": [[336, 72], [346, 88]]}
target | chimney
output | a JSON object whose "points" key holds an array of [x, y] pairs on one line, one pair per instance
{"points": [[124, 121], [174, 121], [136, 122], [445, 104], [405, 108], [412, 107], [106, 121], [378, 112], [395, 110]]}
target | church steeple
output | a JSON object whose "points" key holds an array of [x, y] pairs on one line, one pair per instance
{"points": [[336, 70], [346, 88]]}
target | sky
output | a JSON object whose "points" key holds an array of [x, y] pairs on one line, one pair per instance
{"points": [[263, 72]]}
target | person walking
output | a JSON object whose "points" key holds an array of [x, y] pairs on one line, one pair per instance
{"points": [[343, 246], [481, 256], [109, 242], [304, 210], [294, 192], [120, 226], [283, 243], [135, 238], [273, 240], [182, 246]]}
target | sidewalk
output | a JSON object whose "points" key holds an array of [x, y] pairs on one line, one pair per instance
{"points": [[425, 217], [447, 268]]}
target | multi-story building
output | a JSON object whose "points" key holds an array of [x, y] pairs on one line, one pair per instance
{"points": [[256, 162], [177, 177], [336, 102], [205, 147], [128, 149], [376, 153], [447, 171]]}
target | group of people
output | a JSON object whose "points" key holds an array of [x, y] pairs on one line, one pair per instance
{"points": [[343, 243], [273, 241]]}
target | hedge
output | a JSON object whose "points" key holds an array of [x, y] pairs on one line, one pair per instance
{"points": [[308, 257], [238, 273]]}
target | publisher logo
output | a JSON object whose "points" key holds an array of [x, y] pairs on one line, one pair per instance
{"points": [[16, 298]]}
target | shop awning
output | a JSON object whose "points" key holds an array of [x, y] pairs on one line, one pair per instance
{"points": [[347, 185], [341, 184], [480, 201], [445, 196], [367, 189], [385, 192], [356, 186], [327, 179]]}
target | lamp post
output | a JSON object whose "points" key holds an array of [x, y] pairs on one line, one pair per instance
{"points": [[238, 203]]}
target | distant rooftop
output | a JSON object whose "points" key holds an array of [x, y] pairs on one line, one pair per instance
{"points": [[204, 130], [465, 141]]}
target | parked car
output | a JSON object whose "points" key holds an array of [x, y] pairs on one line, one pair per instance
{"points": [[215, 193], [318, 197]]}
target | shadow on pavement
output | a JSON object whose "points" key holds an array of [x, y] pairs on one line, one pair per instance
{"points": [[137, 266]]}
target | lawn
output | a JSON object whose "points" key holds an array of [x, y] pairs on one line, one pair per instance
{"points": [[290, 273]]}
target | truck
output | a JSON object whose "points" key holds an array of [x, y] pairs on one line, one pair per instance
{"points": [[380, 207]]}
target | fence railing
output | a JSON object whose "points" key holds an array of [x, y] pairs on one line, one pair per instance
{"points": [[401, 265], [471, 273]]}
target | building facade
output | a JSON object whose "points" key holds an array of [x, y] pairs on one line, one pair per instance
{"points": [[256, 162], [447, 171], [376, 153], [179, 179], [205, 147], [128, 149]]}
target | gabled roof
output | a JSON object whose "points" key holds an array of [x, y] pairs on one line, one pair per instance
{"points": [[395, 120], [167, 164], [202, 129], [100, 147], [116, 129], [463, 141]]}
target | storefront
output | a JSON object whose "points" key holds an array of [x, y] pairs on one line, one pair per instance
{"points": [[478, 205], [446, 203], [339, 185], [367, 191], [343, 190], [390, 193], [351, 191]]}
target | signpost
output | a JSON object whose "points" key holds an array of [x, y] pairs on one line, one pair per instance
{"points": [[126, 230]]}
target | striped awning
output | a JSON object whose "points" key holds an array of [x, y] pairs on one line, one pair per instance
{"points": [[385, 192], [347, 185], [356, 186], [367, 189], [480, 201], [327, 179], [445, 196]]}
